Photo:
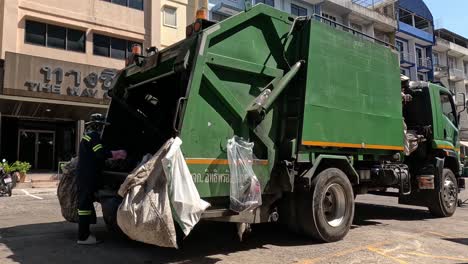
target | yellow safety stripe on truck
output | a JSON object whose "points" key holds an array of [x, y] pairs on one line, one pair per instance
{"points": [[350, 145], [445, 147], [208, 161], [97, 147]]}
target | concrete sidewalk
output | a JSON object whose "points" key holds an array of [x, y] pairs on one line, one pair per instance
{"points": [[39, 180]]}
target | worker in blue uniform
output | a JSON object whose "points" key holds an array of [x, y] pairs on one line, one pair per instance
{"points": [[92, 155]]}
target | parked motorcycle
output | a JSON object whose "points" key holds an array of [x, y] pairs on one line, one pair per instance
{"points": [[6, 181]]}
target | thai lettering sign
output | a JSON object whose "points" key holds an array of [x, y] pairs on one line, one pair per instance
{"points": [[53, 79]]}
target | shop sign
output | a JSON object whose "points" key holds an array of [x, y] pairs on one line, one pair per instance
{"points": [[82, 86], [33, 76]]}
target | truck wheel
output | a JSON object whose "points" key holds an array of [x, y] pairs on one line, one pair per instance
{"points": [[445, 196], [327, 211]]}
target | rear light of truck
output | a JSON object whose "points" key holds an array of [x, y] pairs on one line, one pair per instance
{"points": [[197, 26]]}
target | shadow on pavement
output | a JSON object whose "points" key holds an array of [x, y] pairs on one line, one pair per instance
{"points": [[55, 243], [463, 241], [368, 214]]}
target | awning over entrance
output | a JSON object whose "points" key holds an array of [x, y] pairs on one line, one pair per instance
{"points": [[38, 108], [464, 143]]}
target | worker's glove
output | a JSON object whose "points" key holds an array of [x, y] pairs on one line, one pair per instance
{"points": [[119, 154], [406, 97]]}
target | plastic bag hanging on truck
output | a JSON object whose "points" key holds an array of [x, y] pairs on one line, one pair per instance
{"points": [[145, 213], [245, 191], [186, 204]]}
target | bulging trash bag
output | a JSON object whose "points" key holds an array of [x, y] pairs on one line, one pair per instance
{"points": [[186, 204], [155, 194], [67, 192], [145, 213], [246, 192]]}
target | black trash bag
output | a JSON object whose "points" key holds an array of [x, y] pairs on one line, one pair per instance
{"points": [[67, 192], [109, 206]]}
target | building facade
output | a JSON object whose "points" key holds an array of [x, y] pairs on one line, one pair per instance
{"points": [[415, 38], [450, 56], [375, 18], [58, 59]]}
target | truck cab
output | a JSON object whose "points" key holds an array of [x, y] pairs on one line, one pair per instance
{"points": [[432, 114]]}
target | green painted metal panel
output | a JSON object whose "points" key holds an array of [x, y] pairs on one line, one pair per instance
{"points": [[353, 92], [236, 59], [445, 132]]}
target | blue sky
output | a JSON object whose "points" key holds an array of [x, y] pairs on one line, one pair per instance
{"points": [[450, 14]]}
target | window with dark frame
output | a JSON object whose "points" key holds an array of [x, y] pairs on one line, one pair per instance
{"points": [[53, 36], [170, 16], [113, 47], [435, 58], [298, 10], [405, 16], [76, 40], [136, 4], [101, 45], [266, 2], [399, 46], [56, 37], [118, 48], [35, 33]]}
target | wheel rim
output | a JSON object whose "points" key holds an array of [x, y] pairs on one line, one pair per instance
{"points": [[334, 205], [449, 193]]}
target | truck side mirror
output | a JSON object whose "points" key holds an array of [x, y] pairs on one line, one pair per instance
{"points": [[461, 101]]}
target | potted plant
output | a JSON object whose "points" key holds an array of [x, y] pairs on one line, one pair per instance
{"points": [[22, 168]]}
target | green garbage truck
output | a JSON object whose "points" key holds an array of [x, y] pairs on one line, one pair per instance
{"points": [[324, 105]]}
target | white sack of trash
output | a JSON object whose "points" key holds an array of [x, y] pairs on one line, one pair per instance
{"points": [[157, 193]]}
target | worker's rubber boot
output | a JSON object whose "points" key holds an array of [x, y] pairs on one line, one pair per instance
{"points": [[91, 240]]}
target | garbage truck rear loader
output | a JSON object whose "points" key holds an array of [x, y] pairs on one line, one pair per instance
{"points": [[322, 104]]}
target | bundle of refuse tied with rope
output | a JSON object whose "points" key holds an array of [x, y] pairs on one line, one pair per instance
{"points": [[67, 191], [157, 193]]}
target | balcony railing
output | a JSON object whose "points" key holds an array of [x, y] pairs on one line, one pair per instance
{"points": [[406, 57], [440, 67], [383, 7], [441, 70], [442, 41], [456, 74], [426, 63], [352, 31]]}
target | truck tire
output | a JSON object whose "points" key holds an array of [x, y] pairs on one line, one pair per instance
{"points": [[445, 196], [326, 211]]}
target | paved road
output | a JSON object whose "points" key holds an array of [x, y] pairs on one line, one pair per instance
{"points": [[33, 231]]}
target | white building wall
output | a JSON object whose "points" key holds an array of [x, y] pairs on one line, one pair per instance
{"points": [[460, 86]]}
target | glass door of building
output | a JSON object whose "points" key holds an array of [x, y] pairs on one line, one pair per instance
{"points": [[38, 148]]}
